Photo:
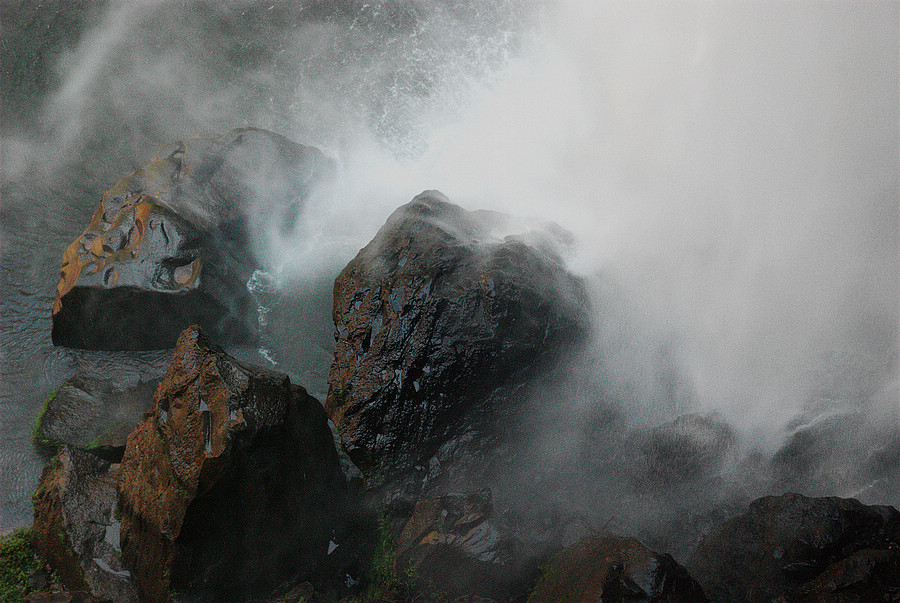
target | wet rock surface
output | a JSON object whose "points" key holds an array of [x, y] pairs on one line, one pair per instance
{"points": [[230, 484], [94, 413], [604, 567], [75, 525], [170, 244], [456, 545], [791, 547], [440, 321]]}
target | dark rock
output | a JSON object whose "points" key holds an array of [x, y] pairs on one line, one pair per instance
{"points": [[230, 485], [455, 545], [689, 447], [867, 575], [64, 597], [611, 568], [789, 545], [439, 322], [170, 245], [94, 413], [75, 526], [840, 451]]}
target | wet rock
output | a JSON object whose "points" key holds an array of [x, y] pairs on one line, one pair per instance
{"points": [[94, 413], [786, 547], [439, 322], [689, 447], [75, 526], [611, 568], [230, 485], [170, 245], [455, 545]]}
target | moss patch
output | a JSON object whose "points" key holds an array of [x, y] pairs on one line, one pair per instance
{"points": [[18, 562], [37, 435]]}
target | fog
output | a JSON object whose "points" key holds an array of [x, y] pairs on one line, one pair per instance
{"points": [[729, 170]]}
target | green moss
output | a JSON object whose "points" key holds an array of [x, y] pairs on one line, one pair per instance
{"points": [[384, 581], [37, 435], [17, 562]]}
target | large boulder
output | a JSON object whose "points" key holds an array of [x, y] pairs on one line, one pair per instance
{"points": [[791, 547], [439, 322], [94, 413], [230, 484], [170, 245], [604, 567], [76, 529]]}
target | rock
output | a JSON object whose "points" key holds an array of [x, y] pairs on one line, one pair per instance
{"points": [[230, 485], [455, 545], [75, 526], [689, 447], [785, 547], [439, 322], [170, 244], [604, 567], [94, 413]]}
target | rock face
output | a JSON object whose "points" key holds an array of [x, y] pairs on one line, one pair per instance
{"points": [[611, 568], [454, 545], [686, 448], [75, 525], [439, 321], [791, 547], [230, 483], [169, 245], [94, 413]]}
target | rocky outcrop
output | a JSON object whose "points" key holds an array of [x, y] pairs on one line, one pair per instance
{"points": [[94, 413], [230, 484], [75, 525], [170, 245], [611, 568], [455, 545], [689, 447], [440, 321], [793, 548]]}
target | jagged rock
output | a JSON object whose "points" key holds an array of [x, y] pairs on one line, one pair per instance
{"points": [[75, 526], [169, 245], [230, 484], [611, 568], [689, 447], [787, 547], [439, 322], [455, 545], [94, 413]]}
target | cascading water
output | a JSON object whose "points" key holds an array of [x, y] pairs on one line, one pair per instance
{"points": [[728, 171]]}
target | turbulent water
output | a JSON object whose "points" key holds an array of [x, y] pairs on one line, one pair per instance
{"points": [[729, 172]]}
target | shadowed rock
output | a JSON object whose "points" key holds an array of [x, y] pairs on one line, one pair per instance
{"points": [[455, 545], [790, 547], [612, 568], [230, 484], [440, 321], [170, 245], [75, 526]]}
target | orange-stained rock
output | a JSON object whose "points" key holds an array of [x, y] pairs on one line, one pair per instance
{"points": [[75, 525], [174, 243], [439, 322], [454, 545], [611, 568], [231, 483]]}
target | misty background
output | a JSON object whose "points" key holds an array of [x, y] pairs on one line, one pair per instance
{"points": [[729, 171]]}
